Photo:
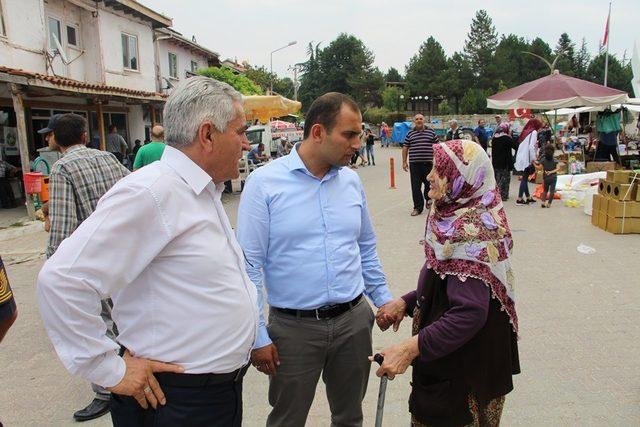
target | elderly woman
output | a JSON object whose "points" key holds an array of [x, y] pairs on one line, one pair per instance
{"points": [[464, 345]]}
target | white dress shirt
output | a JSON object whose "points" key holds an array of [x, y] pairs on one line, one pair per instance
{"points": [[160, 244]]}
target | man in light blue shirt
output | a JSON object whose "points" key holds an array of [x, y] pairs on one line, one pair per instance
{"points": [[308, 239]]}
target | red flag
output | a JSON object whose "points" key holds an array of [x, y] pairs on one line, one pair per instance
{"points": [[605, 39]]}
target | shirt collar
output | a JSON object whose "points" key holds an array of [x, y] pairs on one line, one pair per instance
{"points": [[73, 148], [188, 170], [294, 162]]}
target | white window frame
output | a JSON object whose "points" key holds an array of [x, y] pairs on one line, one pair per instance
{"points": [[127, 66], [77, 29], [3, 23], [172, 76], [193, 70], [52, 47]]}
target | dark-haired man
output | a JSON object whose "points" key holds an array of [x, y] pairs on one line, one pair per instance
{"points": [[305, 230], [418, 149], [77, 181]]}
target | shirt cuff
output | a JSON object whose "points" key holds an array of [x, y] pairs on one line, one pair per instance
{"points": [[109, 372], [381, 296], [411, 299], [263, 339]]}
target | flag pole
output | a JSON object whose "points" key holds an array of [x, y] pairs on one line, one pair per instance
{"points": [[606, 57]]}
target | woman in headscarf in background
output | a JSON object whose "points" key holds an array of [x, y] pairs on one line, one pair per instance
{"points": [[464, 345], [527, 153]]}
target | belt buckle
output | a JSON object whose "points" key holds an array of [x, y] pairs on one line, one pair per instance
{"points": [[319, 315]]}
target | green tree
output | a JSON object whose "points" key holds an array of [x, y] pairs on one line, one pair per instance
{"points": [[618, 77], [509, 61], [310, 80], [480, 46], [566, 49], [582, 60], [426, 70], [474, 101], [347, 66], [393, 75], [391, 98], [239, 82], [457, 77], [534, 68]]}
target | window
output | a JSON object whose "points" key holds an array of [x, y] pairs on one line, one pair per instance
{"points": [[3, 31], [194, 66], [72, 36], [129, 52], [54, 34], [173, 65]]}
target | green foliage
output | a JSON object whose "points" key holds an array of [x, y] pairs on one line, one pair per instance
{"points": [[619, 77], [566, 49], [582, 60], [534, 68], [391, 98], [239, 82], [426, 70], [444, 108], [475, 101], [393, 75], [509, 60], [379, 115], [480, 46]]}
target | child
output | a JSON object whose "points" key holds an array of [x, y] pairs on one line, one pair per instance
{"points": [[549, 167]]}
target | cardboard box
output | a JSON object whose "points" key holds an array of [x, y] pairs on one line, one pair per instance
{"points": [[604, 204], [594, 217], [620, 176], [600, 166], [602, 187], [602, 220], [616, 209], [622, 191], [597, 201], [623, 225]]}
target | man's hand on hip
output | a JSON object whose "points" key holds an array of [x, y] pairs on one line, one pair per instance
{"points": [[139, 381], [266, 359]]}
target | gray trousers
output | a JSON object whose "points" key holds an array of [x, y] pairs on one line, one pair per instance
{"points": [[337, 348], [503, 180], [112, 332]]}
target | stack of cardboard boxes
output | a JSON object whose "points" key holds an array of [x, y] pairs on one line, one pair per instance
{"points": [[616, 207]]}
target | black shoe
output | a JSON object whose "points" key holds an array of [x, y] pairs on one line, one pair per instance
{"points": [[530, 201], [520, 203], [416, 212], [96, 409]]}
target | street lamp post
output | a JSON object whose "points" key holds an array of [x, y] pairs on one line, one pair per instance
{"points": [[271, 65], [401, 97]]}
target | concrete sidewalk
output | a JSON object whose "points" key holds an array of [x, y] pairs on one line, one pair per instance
{"points": [[579, 317]]}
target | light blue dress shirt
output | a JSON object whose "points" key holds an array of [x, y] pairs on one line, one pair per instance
{"points": [[309, 241]]}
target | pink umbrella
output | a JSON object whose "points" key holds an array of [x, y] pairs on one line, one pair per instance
{"points": [[281, 125], [556, 91]]}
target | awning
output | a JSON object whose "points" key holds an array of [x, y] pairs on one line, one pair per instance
{"points": [[44, 81]]}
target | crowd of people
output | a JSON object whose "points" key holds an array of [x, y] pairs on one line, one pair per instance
{"points": [[161, 307]]}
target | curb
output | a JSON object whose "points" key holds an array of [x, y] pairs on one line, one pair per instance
{"points": [[30, 227]]}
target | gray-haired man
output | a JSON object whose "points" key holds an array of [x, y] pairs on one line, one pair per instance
{"points": [[160, 243]]}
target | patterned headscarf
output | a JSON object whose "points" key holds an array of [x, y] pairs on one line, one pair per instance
{"points": [[501, 130], [532, 124], [467, 232]]}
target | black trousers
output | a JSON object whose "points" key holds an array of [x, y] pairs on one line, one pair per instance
{"points": [[217, 405], [7, 198], [418, 172]]}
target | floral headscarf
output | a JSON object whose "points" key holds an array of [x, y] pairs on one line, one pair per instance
{"points": [[501, 130], [467, 232]]}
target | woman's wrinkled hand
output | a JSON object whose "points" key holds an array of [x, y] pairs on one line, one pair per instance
{"points": [[398, 358], [391, 313]]}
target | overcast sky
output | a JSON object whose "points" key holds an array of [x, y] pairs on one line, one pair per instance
{"points": [[393, 30]]}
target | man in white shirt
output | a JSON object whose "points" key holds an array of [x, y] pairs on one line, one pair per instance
{"points": [[160, 244]]}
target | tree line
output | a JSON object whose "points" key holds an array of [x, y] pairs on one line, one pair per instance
{"points": [[456, 84]]}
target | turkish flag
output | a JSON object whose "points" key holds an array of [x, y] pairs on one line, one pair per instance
{"points": [[519, 113]]}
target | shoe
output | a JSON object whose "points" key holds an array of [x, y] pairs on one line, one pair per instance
{"points": [[520, 203], [531, 201], [543, 205], [415, 212], [96, 409]]}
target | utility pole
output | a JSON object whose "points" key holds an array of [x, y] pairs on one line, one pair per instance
{"points": [[606, 40], [296, 84]]}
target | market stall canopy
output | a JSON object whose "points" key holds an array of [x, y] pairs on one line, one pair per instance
{"points": [[571, 111], [281, 125], [265, 107], [556, 91]]}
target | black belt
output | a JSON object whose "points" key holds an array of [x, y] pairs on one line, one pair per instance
{"points": [[324, 312], [199, 380]]}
